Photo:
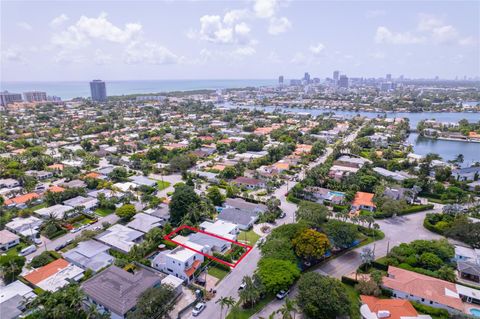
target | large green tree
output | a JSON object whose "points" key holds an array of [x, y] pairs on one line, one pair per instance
{"points": [[126, 212], [311, 244], [322, 297], [154, 302], [340, 233], [277, 274], [182, 200], [313, 213]]}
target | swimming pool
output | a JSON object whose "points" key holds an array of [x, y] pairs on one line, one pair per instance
{"points": [[475, 312], [334, 193]]}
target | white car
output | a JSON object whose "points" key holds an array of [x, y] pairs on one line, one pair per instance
{"points": [[282, 294], [37, 241], [199, 307]]}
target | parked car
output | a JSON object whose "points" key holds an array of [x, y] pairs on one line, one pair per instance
{"points": [[37, 241], [28, 250], [242, 286], [282, 215], [60, 247], [199, 307], [282, 294]]}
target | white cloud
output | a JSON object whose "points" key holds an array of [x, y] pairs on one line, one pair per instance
{"points": [[375, 13], [440, 32], [24, 26], [149, 53], [244, 51], [214, 29], [317, 49], [13, 54], [58, 21], [102, 58], [279, 25], [384, 35], [233, 16], [86, 29], [274, 58], [299, 58], [467, 41], [265, 8]]}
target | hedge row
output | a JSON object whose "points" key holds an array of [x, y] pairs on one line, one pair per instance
{"points": [[427, 310], [409, 210]]}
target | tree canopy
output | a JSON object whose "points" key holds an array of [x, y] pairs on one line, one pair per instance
{"points": [[322, 297], [276, 274]]}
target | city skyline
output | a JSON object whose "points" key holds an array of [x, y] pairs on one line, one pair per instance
{"points": [[259, 39]]}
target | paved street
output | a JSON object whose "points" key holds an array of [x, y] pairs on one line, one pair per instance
{"points": [[228, 287]]}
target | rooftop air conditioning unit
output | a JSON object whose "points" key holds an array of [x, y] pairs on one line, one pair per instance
{"points": [[383, 314]]}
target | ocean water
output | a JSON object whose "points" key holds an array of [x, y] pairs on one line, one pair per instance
{"points": [[68, 90]]}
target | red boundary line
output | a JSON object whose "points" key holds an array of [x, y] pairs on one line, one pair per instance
{"points": [[248, 247]]}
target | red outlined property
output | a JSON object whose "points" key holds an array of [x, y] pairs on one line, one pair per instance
{"points": [[233, 242]]}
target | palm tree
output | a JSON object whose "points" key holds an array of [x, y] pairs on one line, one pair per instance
{"points": [[249, 294], [287, 309], [225, 302]]}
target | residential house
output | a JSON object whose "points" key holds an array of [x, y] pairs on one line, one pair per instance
{"points": [[21, 201], [145, 222], [376, 308], [9, 183], [466, 174], [8, 240], [143, 181], [121, 238], [116, 291], [180, 262], [75, 183], [323, 195], [249, 183], [27, 227], [87, 203], [363, 201], [241, 217], [58, 211], [89, 254], [221, 228], [433, 292], [469, 271], [13, 299], [240, 203], [54, 275]]}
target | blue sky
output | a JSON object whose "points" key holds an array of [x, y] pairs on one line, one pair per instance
{"points": [[135, 40]]}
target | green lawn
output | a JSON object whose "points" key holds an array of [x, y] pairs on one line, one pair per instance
{"points": [[14, 250], [217, 272], [247, 313], [39, 206], [161, 185], [250, 236], [103, 211], [354, 302]]}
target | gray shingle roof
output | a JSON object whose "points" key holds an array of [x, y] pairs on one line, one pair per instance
{"points": [[119, 290]]}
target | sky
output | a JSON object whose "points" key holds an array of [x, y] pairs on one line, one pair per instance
{"points": [[248, 39]]}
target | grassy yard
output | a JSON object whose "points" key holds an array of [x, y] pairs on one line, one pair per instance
{"points": [[103, 211], [161, 185], [354, 302], [247, 313], [250, 236], [39, 206], [217, 272], [16, 249]]}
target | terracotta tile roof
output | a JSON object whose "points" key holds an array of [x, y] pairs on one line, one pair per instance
{"points": [[218, 167], [56, 166], [56, 189], [281, 165], [46, 271], [440, 291], [22, 199], [362, 198], [192, 269], [92, 175], [397, 307]]}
